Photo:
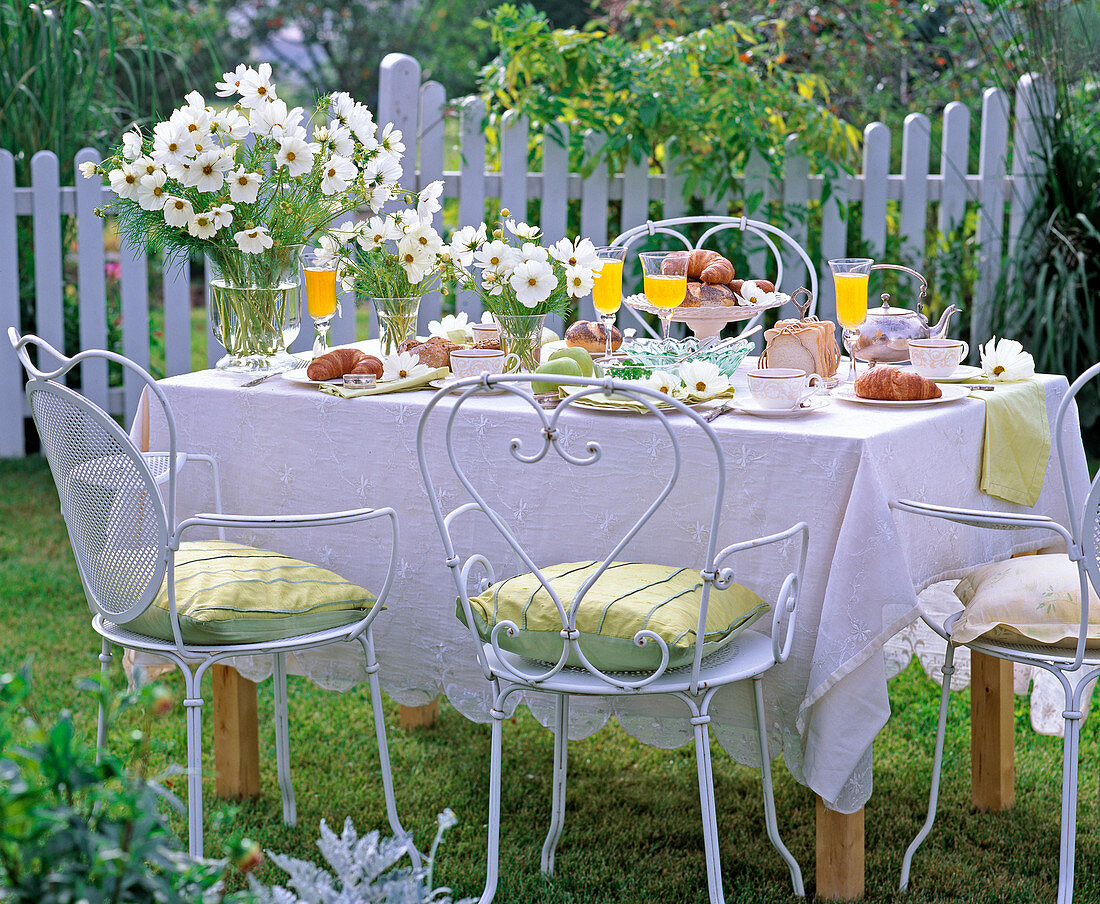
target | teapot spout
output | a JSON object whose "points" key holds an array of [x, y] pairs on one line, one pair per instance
{"points": [[939, 331]]}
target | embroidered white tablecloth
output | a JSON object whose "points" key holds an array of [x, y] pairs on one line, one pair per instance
{"points": [[285, 447]]}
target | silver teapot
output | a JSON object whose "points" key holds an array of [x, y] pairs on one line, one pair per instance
{"points": [[884, 336]]}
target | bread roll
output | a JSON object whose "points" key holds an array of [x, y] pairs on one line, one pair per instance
{"points": [[435, 352], [333, 365], [592, 337], [889, 384], [700, 294]]}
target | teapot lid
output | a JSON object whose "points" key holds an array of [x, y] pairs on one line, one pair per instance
{"points": [[887, 310]]}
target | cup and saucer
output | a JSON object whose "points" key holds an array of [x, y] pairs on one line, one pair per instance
{"points": [[940, 360], [782, 392], [472, 362]]}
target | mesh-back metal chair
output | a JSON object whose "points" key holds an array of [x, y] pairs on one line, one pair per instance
{"points": [[1075, 666], [119, 509], [774, 239], [573, 668]]}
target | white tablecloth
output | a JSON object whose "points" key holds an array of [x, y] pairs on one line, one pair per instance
{"points": [[285, 447]]}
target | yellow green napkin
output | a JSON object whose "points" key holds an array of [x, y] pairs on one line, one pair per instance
{"points": [[351, 392], [618, 402], [1017, 440]]}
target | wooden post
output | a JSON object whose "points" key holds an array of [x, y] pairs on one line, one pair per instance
{"points": [[992, 755], [419, 716], [840, 855], [236, 734]]}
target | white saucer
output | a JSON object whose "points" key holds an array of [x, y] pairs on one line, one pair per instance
{"points": [[751, 406], [960, 374]]}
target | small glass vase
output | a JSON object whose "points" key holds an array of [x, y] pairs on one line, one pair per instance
{"points": [[523, 337], [396, 320], [255, 308]]}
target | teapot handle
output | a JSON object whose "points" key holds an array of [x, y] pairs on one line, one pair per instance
{"points": [[923, 282]]}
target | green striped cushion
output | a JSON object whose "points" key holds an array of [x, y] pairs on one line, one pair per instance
{"points": [[227, 593], [627, 598]]}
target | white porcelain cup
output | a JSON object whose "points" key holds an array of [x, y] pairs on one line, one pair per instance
{"points": [[469, 362], [936, 358], [782, 387], [485, 331]]}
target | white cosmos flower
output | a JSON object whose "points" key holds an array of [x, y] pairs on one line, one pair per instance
{"points": [[253, 241], [487, 317], [424, 236], [579, 281], [465, 242], [200, 115], [495, 256], [662, 382], [150, 192], [342, 142], [533, 281], [243, 185], [131, 144], [532, 252], [1006, 360], [415, 261], [208, 171], [256, 87], [581, 253], [145, 166], [427, 202], [752, 294], [87, 170], [296, 155], [231, 81], [522, 230], [403, 366], [703, 378], [327, 250], [390, 140], [341, 104], [171, 142], [377, 231], [202, 226], [382, 170], [361, 123], [124, 181], [348, 231], [231, 122], [223, 215], [275, 120], [452, 323], [177, 211], [494, 281], [336, 174]]}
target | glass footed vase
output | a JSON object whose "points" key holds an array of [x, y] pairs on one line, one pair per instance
{"points": [[522, 337], [396, 320], [255, 308]]}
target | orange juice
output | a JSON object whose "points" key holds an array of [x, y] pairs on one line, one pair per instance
{"points": [[851, 298], [665, 290], [320, 292], [607, 291]]}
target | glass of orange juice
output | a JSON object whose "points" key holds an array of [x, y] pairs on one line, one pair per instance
{"points": [[607, 290], [664, 279], [319, 266], [850, 275]]}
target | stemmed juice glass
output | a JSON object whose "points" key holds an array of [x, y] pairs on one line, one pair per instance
{"points": [[664, 278], [319, 267], [850, 276], [607, 290]]}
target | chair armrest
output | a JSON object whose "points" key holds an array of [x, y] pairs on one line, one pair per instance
{"points": [[321, 519], [990, 520]]}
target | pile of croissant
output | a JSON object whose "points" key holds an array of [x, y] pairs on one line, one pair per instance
{"points": [[711, 280]]}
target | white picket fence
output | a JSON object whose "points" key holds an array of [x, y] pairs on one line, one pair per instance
{"points": [[418, 109]]}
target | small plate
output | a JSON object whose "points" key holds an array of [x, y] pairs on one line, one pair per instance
{"points": [[299, 376], [949, 394], [961, 374], [751, 406]]}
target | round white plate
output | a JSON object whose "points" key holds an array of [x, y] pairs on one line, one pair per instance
{"points": [[751, 406], [846, 393], [960, 374], [299, 376]]}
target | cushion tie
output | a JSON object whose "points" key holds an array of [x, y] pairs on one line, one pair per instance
{"points": [[192, 701], [451, 562], [700, 720], [570, 633], [497, 714], [1072, 714]]}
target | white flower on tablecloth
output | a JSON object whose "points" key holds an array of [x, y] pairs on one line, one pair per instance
{"points": [[390, 140], [337, 173], [131, 144], [465, 242], [522, 230], [414, 260], [244, 186], [256, 88], [231, 81], [1006, 360], [177, 211], [403, 366], [533, 281], [296, 155], [202, 226], [223, 215], [752, 294], [427, 202], [253, 241], [579, 281], [450, 325], [150, 193], [581, 253], [124, 181], [662, 382], [703, 378]]}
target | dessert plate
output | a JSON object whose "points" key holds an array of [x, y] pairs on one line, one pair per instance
{"points": [[949, 394]]}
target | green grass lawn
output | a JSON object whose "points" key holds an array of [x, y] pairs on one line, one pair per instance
{"points": [[632, 831]]}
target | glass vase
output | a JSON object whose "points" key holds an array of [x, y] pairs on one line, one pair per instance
{"points": [[255, 308], [522, 334], [396, 320]]}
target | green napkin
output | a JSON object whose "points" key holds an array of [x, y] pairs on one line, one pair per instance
{"points": [[1017, 441], [351, 392], [618, 402]]}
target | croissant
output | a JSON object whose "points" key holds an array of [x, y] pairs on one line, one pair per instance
{"points": [[709, 267], [333, 365], [892, 385]]}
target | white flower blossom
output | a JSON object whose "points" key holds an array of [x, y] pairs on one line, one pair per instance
{"points": [[390, 140], [231, 81], [424, 236], [253, 241], [87, 170], [341, 104], [202, 226], [150, 192], [579, 281], [662, 382], [223, 215], [533, 281], [336, 173], [171, 142], [495, 256], [327, 250], [1006, 360], [465, 242], [341, 141], [231, 122], [581, 253], [415, 260], [452, 323], [296, 155], [256, 88], [494, 281], [378, 231], [177, 211], [752, 294], [131, 144], [427, 202], [361, 123], [382, 170], [703, 378], [348, 231], [276, 120], [243, 185], [124, 181], [403, 366], [532, 252], [522, 230], [208, 171], [145, 166]]}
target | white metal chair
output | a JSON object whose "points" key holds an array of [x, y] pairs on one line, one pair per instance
{"points": [[1074, 666], [767, 233], [573, 670], [119, 508]]}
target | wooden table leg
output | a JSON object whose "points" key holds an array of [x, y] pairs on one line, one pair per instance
{"points": [[992, 754], [236, 734], [419, 716], [840, 872]]}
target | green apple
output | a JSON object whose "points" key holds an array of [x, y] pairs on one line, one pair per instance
{"points": [[580, 355], [559, 367]]}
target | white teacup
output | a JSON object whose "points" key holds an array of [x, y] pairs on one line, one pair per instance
{"points": [[782, 387], [469, 362], [483, 331], [937, 358]]}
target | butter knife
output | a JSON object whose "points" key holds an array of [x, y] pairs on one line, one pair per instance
{"points": [[718, 412]]}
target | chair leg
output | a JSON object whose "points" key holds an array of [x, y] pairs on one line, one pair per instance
{"points": [[282, 741], [101, 728], [384, 749], [493, 858], [769, 797], [1068, 834], [557, 806], [193, 705], [937, 763], [708, 808]]}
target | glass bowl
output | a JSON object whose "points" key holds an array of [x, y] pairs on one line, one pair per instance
{"points": [[641, 358]]}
